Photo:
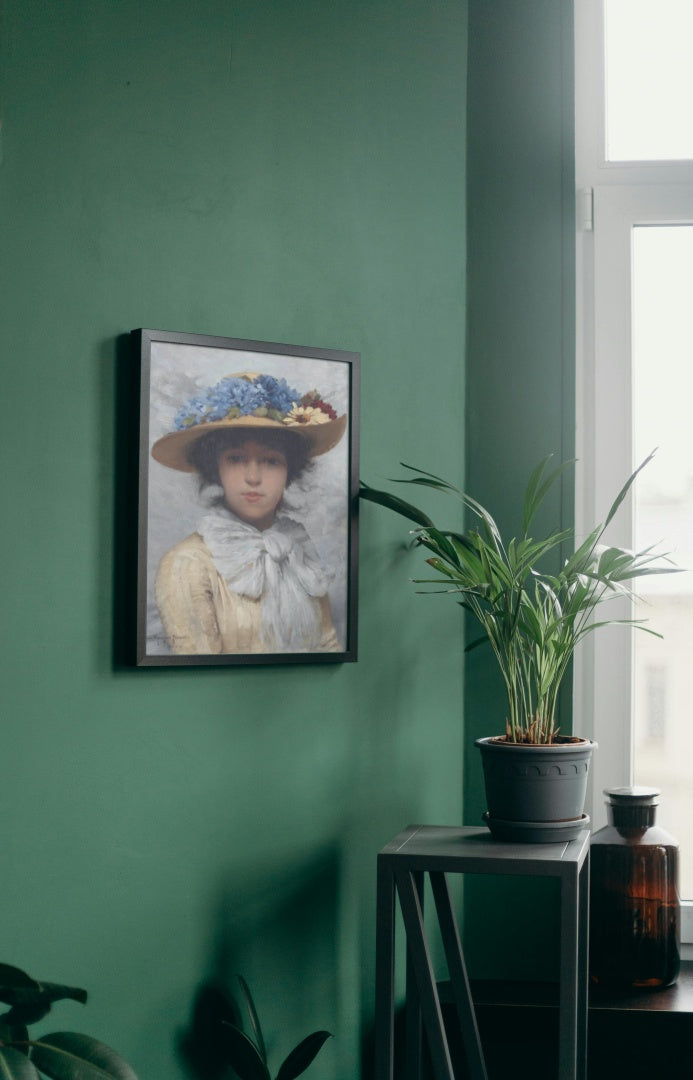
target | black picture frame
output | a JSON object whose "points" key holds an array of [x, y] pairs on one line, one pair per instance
{"points": [[177, 369]]}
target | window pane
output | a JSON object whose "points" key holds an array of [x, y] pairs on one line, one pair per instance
{"points": [[663, 418], [649, 80]]}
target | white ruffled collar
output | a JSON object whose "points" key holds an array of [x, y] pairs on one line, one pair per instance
{"points": [[278, 566]]}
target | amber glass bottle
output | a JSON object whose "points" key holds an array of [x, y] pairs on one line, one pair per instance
{"points": [[635, 915]]}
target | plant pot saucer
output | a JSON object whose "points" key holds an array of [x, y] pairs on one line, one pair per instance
{"points": [[535, 832]]}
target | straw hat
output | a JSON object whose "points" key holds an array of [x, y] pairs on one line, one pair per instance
{"points": [[255, 402]]}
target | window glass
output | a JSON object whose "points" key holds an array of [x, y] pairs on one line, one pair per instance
{"points": [[649, 79], [662, 354]]}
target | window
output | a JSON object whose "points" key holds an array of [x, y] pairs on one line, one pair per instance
{"points": [[648, 80], [634, 166], [651, 709]]}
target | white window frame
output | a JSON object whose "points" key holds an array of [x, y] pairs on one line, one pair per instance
{"points": [[611, 198]]}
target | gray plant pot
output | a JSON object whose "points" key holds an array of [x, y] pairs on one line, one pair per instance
{"points": [[535, 794]]}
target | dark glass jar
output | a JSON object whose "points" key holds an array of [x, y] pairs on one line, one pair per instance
{"points": [[635, 915]]}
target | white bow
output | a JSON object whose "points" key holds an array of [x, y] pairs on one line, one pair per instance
{"points": [[279, 566]]}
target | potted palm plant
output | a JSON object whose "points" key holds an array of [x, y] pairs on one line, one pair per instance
{"points": [[533, 618]]}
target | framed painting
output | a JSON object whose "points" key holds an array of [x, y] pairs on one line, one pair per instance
{"points": [[248, 502]]}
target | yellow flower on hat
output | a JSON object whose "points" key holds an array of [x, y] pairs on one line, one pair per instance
{"points": [[306, 414]]}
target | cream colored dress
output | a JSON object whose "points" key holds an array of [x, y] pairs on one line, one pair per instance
{"points": [[231, 588]]}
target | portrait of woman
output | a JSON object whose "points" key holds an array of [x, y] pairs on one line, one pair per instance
{"points": [[248, 509]]}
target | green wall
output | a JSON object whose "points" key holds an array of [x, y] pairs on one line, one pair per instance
{"points": [[276, 171], [520, 364], [289, 172]]}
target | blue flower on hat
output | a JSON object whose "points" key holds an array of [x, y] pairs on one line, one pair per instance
{"points": [[237, 396]]}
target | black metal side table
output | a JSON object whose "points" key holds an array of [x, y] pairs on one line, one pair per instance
{"points": [[437, 851]]}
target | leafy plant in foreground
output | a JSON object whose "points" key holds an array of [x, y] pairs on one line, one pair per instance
{"points": [[533, 619], [217, 1041], [63, 1055], [248, 1056]]}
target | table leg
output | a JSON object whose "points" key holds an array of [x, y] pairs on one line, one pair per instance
{"points": [[385, 971], [413, 1043], [568, 984], [583, 968], [425, 978], [458, 977]]}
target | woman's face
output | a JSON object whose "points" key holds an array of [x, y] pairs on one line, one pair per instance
{"points": [[253, 477]]}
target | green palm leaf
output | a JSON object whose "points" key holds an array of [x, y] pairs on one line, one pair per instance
{"points": [[65, 1055], [393, 503], [625, 489]]}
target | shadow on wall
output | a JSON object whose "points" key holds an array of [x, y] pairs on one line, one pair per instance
{"points": [[279, 929]]}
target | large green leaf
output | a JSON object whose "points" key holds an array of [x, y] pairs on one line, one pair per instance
{"points": [[301, 1056], [401, 507], [66, 1055], [31, 1000], [243, 1055], [12, 978], [14, 1065]]}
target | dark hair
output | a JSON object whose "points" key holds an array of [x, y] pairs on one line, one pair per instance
{"points": [[204, 453]]}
